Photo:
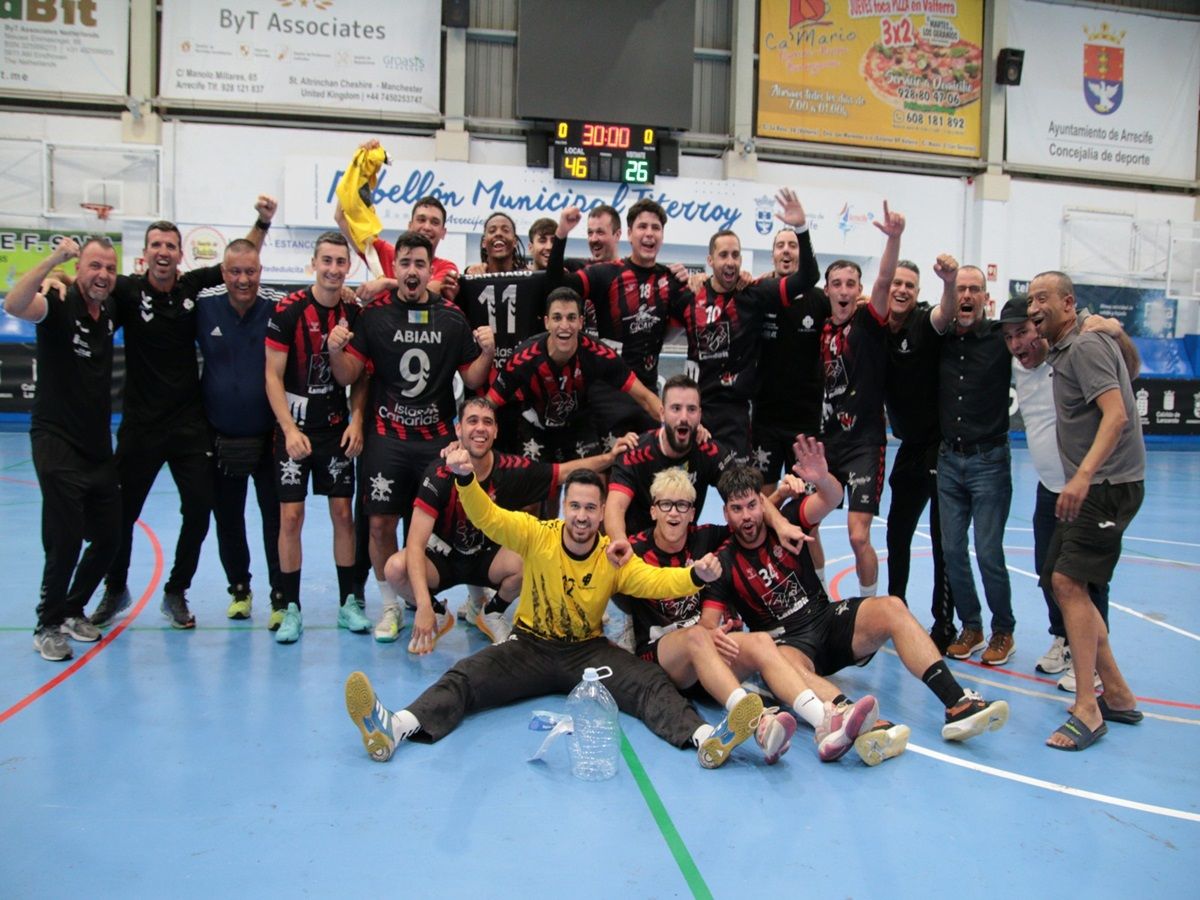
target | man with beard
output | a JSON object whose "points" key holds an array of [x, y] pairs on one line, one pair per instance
{"points": [[854, 354], [914, 332], [231, 327], [443, 549], [633, 299], [315, 432], [775, 590], [414, 343], [557, 633], [163, 413], [1033, 378], [669, 633], [70, 436], [1104, 460], [974, 479], [724, 326], [551, 375]]}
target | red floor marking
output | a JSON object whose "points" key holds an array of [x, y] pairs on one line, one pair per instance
{"points": [[104, 641], [24, 481], [835, 595]]}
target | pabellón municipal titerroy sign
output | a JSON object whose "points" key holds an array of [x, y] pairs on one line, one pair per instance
{"points": [[350, 55], [1103, 92]]}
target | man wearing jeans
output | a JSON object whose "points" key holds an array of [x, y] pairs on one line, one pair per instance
{"points": [[974, 477]]}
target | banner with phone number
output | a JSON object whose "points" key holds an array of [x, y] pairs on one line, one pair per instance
{"points": [[893, 74]]}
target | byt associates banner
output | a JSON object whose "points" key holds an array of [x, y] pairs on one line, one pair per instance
{"points": [[895, 74], [66, 47], [1104, 91], [331, 55]]}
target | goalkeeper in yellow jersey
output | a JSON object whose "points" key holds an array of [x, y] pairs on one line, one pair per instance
{"points": [[568, 580]]}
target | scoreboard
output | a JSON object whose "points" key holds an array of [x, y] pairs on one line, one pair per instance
{"points": [[600, 151]]}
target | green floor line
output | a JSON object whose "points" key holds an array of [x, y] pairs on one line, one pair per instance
{"points": [[683, 859], [23, 462]]}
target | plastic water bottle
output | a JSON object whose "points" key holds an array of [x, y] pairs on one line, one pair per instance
{"points": [[596, 741]]}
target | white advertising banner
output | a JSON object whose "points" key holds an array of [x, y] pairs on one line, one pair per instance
{"points": [[696, 208], [78, 47], [1104, 91], [350, 55]]}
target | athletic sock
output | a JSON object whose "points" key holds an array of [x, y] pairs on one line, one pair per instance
{"points": [[289, 586], [497, 604], [404, 724], [809, 707], [939, 680], [867, 590], [387, 593], [702, 734], [439, 606], [346, 581], [734, 698]]}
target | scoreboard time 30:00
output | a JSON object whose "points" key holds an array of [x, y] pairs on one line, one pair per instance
{"points": [[597, 151]]}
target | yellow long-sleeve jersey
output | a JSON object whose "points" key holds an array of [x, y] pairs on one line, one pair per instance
{"points": [[563, 597]]}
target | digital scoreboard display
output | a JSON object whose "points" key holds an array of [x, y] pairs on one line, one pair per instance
{"points": [[600, 151]]}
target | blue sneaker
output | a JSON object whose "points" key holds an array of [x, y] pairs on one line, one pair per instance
{"points": [[350, 617], [372, 718], [291, 627], [738, 725]]}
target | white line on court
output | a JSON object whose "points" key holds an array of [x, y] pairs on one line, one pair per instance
{"points": [[1057, 788], [1144, 617], [1126, 537]]}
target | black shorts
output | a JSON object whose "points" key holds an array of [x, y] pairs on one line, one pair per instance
{"points": [[729, 424], [1088, 548], [859, 467], [454, 568], [648, 652], [577, 440], [392, 470], [616, 413], [828, 637], [508, 429], [332, 471], [771, 449]]}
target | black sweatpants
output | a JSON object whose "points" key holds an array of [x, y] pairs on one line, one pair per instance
{"points": [[81, 500], [529, 666], [141, 452], [229, 515], [914, 483]]}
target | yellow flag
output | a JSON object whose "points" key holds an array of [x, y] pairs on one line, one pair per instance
{"points": [[354, 195]]}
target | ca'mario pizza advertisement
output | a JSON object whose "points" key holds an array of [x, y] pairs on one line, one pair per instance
{"points": [[893, 74]]}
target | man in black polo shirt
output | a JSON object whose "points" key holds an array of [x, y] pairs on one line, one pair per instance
{"points": [[914, 353], [70, 436], [974, 479], [163, 414]]}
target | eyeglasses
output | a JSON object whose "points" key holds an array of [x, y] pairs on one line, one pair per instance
{"points": [[668, 505]]}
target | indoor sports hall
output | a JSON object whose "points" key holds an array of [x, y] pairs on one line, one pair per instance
{"points": [[1018, 138]]}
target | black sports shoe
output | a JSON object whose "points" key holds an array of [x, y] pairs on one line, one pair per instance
{"points": [[112, 604], [174, 607]]}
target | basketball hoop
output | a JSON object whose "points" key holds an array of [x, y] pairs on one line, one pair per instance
{"points": [[101, 210]]}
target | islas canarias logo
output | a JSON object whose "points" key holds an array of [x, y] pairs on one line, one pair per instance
{"points": [[1103, 69]]}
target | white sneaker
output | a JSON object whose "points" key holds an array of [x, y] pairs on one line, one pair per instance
{"points": [[389, 625], [1067, 682], [477, 600], [494, 625], [80, 629], [1056, 659]]}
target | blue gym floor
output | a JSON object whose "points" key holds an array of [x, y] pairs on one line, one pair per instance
{"points": [[216, 762]]}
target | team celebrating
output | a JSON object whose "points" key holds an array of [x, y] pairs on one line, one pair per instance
{"points": [[512, 417]]}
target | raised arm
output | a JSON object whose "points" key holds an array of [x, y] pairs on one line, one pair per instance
{"points": [[892, 225], [265, 207], [812, 467], [556, 274], [946, 268], [25, 299], [793, 216]]}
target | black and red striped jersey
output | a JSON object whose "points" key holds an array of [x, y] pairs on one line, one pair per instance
{"points": [[636, 468], [558, 395], [514, 483], [725, 333], [300, 328], [412, 351], [768, 586], [512, 304], [854, 355], [654, 618], [633, 305]]}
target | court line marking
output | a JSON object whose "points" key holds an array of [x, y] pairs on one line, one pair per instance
{"points": [[1056, 787], [82, 661], [835, 595], [683, 859]]}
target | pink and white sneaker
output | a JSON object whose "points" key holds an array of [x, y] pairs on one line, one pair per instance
{"points": [[774, 733], [842, 724]]}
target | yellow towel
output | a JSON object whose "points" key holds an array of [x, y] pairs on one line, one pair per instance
{"points": [[354, 194]]}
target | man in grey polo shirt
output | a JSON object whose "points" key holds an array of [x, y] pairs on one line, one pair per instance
{"points": [[1104, 460]]}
